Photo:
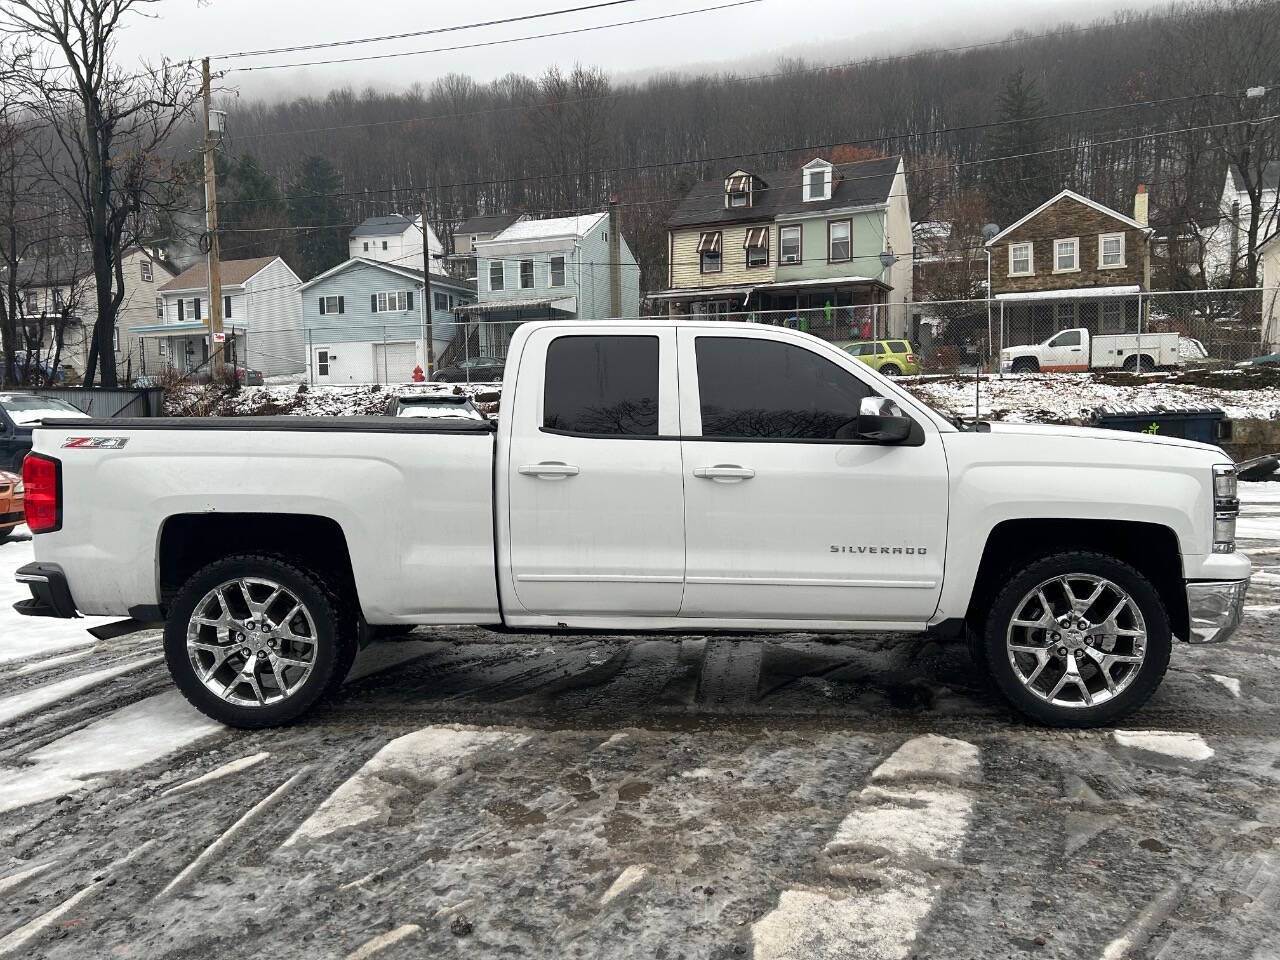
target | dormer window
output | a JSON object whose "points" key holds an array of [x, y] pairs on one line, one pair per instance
{"points": [[817, 178], [737, 189]]}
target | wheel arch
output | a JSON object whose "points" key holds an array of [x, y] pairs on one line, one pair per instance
{"points": [[189, 542], [1150, 548]]}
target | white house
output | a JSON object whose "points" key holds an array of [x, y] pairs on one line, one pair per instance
{"points": [[395, 239], [261, 317], [1269, 280], [1226, 240]]}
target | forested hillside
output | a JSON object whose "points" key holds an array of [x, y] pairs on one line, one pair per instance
{"points": [[1092, 104]]}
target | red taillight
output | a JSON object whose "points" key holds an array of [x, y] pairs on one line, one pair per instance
{"points": [[911, 358], [42, 476]]}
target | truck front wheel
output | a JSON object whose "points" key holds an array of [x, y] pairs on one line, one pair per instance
{"points": [[1025, 365], [255, 641], [1078, 639]]}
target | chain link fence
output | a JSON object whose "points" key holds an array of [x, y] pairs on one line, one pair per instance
{"points": [[1008, 334]]}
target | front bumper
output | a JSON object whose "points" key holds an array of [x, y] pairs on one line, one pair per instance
{"points": [[50, 594], [1215, 608]]}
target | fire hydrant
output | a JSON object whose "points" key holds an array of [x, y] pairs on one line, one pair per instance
{"points": [[418, 375]]}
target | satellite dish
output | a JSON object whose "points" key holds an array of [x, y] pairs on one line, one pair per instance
{"points": [[990, 230]]}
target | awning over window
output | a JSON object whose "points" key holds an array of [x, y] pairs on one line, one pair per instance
{"points": [[738, 183], [709, 243], [757, 237]]}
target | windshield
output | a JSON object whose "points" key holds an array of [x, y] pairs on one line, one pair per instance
{"points": [[25, 409]]}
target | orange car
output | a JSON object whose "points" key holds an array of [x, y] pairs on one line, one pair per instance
{"points": [[11, 496]]}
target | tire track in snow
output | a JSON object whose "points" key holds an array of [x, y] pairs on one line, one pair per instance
{"points": [[19, 705], [910, 821]]}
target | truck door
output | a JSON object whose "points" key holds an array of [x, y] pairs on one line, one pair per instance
{"points": [[788, 514], [1067, 352], [594, 475]]}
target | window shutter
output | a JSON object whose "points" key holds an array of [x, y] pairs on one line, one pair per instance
{"points": [[341, 304], [373, 303], [321, 306], [226, 308], [181, 312], [197, 303], [410, 306]]}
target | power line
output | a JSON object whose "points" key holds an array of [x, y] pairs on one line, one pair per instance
{"points": [[496, 43], [424, 33]]}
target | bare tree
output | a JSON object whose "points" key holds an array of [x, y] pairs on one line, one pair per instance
{"points": [[106, 130]]}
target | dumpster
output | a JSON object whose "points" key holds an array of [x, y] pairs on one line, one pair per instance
{"points": [[1203, 424]]}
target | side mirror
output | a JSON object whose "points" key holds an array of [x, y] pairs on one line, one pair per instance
{"points": [[880, 420]]}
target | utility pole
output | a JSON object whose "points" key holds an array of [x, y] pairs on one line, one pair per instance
{"points": [[426, 289], [213, 266]]}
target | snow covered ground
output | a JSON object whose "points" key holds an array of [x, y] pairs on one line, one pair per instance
{"points": [[484, 795], [1059, 397]]}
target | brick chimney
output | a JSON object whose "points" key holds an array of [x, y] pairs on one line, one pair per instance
{"points": [[1140, 204]]}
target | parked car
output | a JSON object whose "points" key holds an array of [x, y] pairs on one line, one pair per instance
{"points": [[11, 497], [433, 406], [893, 358], [1077, 350], [38, 371], [474, 369], [766, 481], [19, 413]]}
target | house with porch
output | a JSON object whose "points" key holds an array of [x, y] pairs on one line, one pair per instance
{"points": [[1070, 262], [462, 261], [366, 321], [261, 318], [826, 247], [557, 269]]}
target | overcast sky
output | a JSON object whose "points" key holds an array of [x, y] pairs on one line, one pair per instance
{"points": [[748, 37]]}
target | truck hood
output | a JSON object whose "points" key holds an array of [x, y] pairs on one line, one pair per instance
{"points": [[1120, 436]]}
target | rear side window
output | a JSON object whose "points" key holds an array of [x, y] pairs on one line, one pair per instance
{"points": [[898, 346], [762, 389], [860, 349], [605, 386]]}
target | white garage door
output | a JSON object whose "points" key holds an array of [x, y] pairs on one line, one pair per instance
{"points": [[394, 362]]}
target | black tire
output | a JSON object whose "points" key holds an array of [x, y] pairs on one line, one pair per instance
{"points": [[1151, 671], [335, 640], [1026, 365], [891, 370], [1131, 363]]}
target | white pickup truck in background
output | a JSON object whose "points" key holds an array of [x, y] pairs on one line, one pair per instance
{"points": [[642, 476], [1077, 350]]}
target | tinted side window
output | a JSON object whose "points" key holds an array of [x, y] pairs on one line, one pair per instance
{"points": [[770, 390], [602, 385], [898, 346]]}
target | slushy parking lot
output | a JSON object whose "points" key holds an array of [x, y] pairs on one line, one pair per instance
{"points": [[475, 794]]}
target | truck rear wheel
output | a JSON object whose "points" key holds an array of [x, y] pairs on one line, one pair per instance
{"points": [[255, 641], [1131, 363], [1078, 639], [1025, 365]]}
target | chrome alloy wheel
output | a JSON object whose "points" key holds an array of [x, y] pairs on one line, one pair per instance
{"points": [[1077, 640], [251, 642]]}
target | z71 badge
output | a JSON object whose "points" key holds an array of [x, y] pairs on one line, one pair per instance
{"points": [[95, 443]]}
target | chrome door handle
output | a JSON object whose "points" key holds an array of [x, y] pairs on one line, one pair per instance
{"points": [[548, 470], [724, 473]]}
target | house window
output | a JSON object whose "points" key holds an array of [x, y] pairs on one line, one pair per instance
{"points": [[145, 267], [57, 299], [159, 308], [789, 245], [162, 348], [557, 272], [1111, 250], [330, 305], [496, 278], [475, 238], [366, 246], [838, 243], [442, 301], [1020, 260], [526, 274], [391, 302], [1066, 255], [1064, 315], [115, 339], [226, 308], [33, 302], [384, 244], [1112, 319], [738, 198], [709, 252]]}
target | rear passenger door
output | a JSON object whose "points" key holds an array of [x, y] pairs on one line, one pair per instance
{"points": [[594, 476]]}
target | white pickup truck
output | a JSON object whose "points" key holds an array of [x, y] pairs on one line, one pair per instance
{"points": [[642, 476], [1077, 350]]}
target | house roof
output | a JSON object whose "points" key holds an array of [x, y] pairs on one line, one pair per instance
{"points": [[437, 279], [486, 223], [234, 273], [389, 226], [1074, 293], [54, 271], [864, 183], [1270, 176], [1079, 198], [554, 228]]}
